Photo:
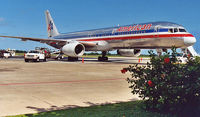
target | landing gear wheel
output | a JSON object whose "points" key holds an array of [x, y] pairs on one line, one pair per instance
{"points": [[59, 57], [102, 58], [99, 58], [72, 58]]}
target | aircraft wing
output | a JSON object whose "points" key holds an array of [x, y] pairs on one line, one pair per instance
{"points": [[43, 40]]}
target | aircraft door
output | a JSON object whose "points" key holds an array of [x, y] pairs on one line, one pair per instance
{"points": [[156, 30]]}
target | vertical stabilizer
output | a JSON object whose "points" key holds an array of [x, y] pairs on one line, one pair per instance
{"points": [[51, 28]]}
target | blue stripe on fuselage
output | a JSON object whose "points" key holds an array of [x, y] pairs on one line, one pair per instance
{"points": [[110, 34]]}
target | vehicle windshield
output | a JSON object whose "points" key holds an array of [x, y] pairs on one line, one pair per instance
{"points": [[32, 51]]}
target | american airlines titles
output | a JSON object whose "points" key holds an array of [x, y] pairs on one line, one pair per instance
{"points": [[134, 28]]}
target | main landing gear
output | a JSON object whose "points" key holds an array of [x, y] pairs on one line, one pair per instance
{"points": [[160, 51], [59, 56], [72, 58], [103, 57]]}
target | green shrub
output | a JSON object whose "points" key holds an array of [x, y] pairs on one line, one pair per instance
{"points": [[167, 85]]}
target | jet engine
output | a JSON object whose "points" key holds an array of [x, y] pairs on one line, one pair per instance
{"points": [[129, 52], [73, 49]]}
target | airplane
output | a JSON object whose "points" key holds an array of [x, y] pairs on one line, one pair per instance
{"points": [[128, 40]]}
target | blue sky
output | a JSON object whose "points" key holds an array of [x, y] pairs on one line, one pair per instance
{"points": [[26, 17]]}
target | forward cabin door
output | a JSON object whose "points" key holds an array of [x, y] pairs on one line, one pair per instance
{"points": [[156, 31], [156, 41]]}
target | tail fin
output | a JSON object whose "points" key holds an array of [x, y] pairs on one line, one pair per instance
{"points": [[51, 28]]}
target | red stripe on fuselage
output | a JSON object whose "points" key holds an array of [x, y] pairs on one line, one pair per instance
{"points": [[139, 37]]}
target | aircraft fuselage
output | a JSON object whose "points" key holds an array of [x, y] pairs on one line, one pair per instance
{"points": [[142, 36]]}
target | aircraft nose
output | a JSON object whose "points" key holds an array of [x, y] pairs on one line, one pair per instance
{"points": [[189, 41]]}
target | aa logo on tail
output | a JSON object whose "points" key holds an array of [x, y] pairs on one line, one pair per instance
{"points": [[50, 27]]}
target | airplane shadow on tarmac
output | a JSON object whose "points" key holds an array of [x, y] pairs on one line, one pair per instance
{"points": [[53, 108], [111, 60], [123, 60]]}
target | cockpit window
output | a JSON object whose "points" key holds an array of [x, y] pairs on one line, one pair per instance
{"points": [[175, 30], [182, 30], [171, 30]]}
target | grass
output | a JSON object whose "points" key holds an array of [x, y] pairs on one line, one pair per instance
{"points": [[127, 109], [19, 54]]}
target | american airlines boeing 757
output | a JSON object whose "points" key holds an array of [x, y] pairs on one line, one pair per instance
{"points": [[127, 40]]}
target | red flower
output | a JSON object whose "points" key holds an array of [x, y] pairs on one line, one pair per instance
{"points": [[150, 83], [188, 55], [124, 71], [166, 60]]}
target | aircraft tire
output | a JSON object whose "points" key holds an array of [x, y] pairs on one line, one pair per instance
{"points": [[72, 58], [102, 58], [105, 58]]}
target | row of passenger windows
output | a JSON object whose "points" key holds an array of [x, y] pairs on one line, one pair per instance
{"points": [[119, 33], [171, 30]]}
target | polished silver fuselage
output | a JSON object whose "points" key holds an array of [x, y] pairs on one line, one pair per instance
{"points": [[140, 36]]}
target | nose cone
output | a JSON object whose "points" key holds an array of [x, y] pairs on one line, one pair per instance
{"points": [[189, 41]]}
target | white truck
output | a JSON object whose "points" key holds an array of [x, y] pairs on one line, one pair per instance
{"points": [[5, 54], [35, 56]]}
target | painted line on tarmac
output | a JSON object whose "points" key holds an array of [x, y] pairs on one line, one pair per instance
{"points": [[61, 82]]}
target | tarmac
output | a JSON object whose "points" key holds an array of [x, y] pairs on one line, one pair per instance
{"points": [[54, 85]]}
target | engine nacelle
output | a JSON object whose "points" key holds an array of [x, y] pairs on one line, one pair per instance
{"points": [[129, 52], [73, 49]]}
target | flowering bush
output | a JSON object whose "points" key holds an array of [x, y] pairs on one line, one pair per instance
{"points": [[123, 71], [165, 84]]}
